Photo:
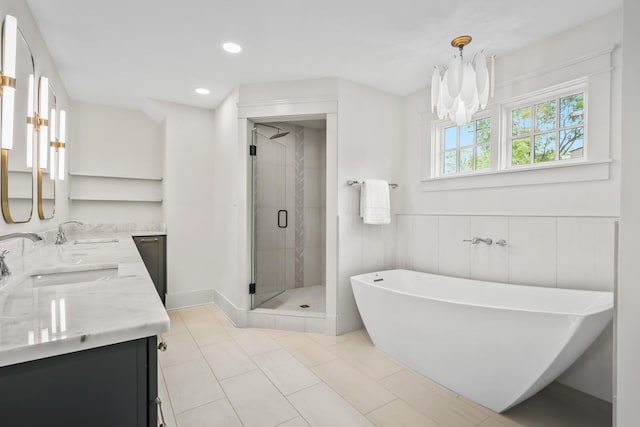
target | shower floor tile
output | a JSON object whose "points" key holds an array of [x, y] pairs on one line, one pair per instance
{"points": [[282, 378], [292, 299]]}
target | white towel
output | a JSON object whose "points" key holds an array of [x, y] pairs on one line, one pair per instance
{"points": [[375, 207]]}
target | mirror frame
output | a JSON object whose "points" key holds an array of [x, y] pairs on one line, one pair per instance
{"points": [[4, 161], [44, 121], [41, 212]]}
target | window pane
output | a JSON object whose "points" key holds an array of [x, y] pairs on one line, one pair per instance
{"points": [[571, 143], [466, 134], [450, 138], [520, 151], [466, 159], [572, 110], [483, 135], [483, 156], [521, 121], [545, 147], [450, 162], [546, 116], [483, 123]]}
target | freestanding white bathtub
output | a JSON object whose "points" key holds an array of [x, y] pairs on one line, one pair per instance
{"points": [[493, 343]]}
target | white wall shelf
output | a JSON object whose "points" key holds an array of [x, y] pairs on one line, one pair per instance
{"points": [[114, 199], [94, 175], [89, 187]]}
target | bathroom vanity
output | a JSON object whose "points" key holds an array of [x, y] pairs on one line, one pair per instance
{"points": [[153, 250], [78, 327]]}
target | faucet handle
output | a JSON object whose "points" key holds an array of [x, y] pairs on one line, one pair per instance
{"points": [[473, 241], [4, 253], [501, 242]]}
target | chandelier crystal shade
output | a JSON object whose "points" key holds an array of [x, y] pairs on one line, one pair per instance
{"points": [[464, 87]]}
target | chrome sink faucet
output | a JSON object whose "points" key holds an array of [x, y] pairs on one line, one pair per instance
{"points": [[60, 237], [477, 240], [4, 269]]}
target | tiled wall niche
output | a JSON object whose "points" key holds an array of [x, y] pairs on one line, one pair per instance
{"points": [[563, 252]]}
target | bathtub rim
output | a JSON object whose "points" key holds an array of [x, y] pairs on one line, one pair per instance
{"points": [[590, 312]]}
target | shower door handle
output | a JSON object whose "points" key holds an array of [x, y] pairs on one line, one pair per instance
{"points": [[286, 218]]}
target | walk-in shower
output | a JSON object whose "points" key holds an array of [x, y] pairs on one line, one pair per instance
{"points": [[287, 216]]}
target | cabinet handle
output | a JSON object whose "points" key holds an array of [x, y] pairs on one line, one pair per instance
{"points": [[155, 239], [162, 345], [159, 403]]}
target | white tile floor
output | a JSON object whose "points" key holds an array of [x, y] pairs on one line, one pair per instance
{"points": [[214, 374]]}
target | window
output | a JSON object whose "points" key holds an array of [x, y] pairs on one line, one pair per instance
{"points": [[548, 131], [466, 148], [546, 128], [551, 124]]}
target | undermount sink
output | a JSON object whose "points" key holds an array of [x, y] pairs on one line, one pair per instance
{"points": [[89, 241], [86, 274]]}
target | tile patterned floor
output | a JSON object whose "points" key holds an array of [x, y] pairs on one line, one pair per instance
{"points": [[214, 374]]}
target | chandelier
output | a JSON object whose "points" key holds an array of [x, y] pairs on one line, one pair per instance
{"points": [[464, 88]]}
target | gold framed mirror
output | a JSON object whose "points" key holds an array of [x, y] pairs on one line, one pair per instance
{"points": [[46, 179], [16, 165]]}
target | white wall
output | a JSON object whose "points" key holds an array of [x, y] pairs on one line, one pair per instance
{"points": [[369, 146], [188, 204], [225, 177], [558, 234], [628, 316], [115, 141], [118, 155], [44, 67]]}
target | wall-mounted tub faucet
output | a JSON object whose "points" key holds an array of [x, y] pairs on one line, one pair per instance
{"points": [[60, 237], [477, 240]]}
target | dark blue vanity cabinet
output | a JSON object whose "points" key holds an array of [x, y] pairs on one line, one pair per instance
{"points": [[153, 250], [110, 386]]}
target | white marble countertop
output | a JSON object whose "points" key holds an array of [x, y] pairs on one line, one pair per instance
{"points": [[39, 320]]}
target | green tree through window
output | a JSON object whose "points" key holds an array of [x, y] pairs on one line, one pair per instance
{"points": [[467, 148], [548, 131]]}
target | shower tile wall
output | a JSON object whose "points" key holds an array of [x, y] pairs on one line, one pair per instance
{"points": [[313, 208]]}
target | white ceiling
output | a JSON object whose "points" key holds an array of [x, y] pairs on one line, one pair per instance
{"points": [[121, 52]]}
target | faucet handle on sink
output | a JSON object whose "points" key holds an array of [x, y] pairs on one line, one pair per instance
{"points": [[4, 269]]}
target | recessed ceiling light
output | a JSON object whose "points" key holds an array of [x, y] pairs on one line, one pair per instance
{"points": [[232, 47], [203, 91]]}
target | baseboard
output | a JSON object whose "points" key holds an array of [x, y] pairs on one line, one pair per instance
{"points": [[237, 316], [346, 324], [188, 299], [331, 324]]}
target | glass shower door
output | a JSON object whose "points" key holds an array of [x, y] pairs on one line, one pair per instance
{"points": [[270, 219]]}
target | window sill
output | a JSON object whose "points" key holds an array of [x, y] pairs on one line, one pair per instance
{"points": [[553, 174]]}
